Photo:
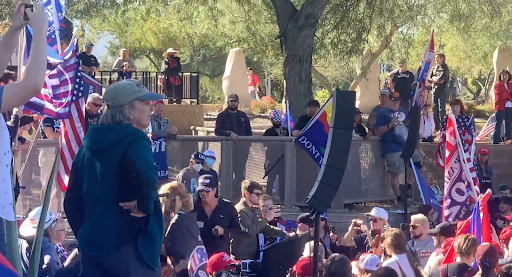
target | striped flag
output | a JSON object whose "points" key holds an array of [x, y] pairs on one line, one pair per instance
{"points": [[489, 127], [64, 97], [421, 75]]}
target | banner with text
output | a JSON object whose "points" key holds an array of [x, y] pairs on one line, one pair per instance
{"points": [[160, 156]]}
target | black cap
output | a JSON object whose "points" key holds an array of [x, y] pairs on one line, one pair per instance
{"points": [[444, 229], [206, 182], [198, 156], [26, 119], [233, 97], [305, 218]]}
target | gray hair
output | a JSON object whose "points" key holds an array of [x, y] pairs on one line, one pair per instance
{"points": [[94, 96], [116, 115]]}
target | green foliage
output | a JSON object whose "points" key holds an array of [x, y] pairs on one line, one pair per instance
{"points": [[322, 96]]}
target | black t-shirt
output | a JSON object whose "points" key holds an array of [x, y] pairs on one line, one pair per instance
{"points": [[89, 60], [403, 82], [360, 130], [455, 269], [225, 216], [182, 241], [302, 121], [52, 123], [91, 119]]}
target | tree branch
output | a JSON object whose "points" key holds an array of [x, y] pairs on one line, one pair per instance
{"points": [[384, 43], [321, 78], [285, 11]]}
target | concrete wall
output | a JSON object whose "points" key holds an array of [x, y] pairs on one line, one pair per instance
{"points": [[184, 116]]}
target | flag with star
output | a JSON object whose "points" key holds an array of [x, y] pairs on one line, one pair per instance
{"points": [[64, 97]]}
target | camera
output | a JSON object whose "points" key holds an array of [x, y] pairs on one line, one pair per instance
{"points": [[244, 268], [357, 222]]}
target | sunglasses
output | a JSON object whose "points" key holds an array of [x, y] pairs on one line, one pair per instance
{"points": [[97, 105], [414, 226], [374, 220], [257, 193], [205, 190]]}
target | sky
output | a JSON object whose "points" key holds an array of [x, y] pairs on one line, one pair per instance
{"points": [[100, 47]]}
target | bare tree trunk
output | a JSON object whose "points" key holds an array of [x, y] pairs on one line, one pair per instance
{"points": [[296, 33], [384, 43]]}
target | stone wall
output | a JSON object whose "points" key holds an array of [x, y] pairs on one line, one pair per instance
{"points": [[184, 116]]}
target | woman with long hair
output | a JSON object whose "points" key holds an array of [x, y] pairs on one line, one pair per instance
{"points": [[483, 170], [503, 106], [182, 240], [395, 244]]}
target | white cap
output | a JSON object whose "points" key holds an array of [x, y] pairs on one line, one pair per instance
{"points": [[29, 226], [308, 250], [379, 212], [210, 153], [369, 262]]}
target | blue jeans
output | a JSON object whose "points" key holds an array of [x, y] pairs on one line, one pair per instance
{"points": [[500, 116], [3, 242], [439, 108]]}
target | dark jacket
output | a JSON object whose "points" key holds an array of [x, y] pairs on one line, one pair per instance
{"points": [[443, 73], [47, 249], [223, 124], [245, 245], [225, 216], [485, 182], [119, 169]]}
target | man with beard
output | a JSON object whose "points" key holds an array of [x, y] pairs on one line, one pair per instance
{"points": [[421, 245], [216, 217], [92, 110], [233, 123], [390, 126]]}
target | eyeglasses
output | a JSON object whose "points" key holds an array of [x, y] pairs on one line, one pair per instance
{"points": [[414, 226], [257, 193], [205, 190], [97, 105]]}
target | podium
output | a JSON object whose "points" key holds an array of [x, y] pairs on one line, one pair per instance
{"points": [[279, 257]]}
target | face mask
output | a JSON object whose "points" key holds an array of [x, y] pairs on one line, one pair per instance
{"points": [[197, 167], [209, 162], [277, 125]]}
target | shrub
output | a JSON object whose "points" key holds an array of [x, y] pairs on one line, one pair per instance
{"points": [[264, 106], [479, 110]]}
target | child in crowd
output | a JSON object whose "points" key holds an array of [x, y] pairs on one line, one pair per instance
{"points": [[427, 123]]}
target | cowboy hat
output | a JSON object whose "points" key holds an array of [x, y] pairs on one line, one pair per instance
{"points": [[171, 50], [29, 226]]}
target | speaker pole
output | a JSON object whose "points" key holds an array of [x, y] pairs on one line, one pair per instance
{"points": [[404, 193], [316, 248]]}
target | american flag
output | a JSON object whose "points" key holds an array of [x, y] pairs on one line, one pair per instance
{"points": [[489, 127], [64, 97]]}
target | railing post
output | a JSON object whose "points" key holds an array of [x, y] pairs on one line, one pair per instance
{"points": [[290, 161], [226, 170]]}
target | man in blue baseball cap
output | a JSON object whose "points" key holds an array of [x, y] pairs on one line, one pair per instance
{"points": [[190, 174]]}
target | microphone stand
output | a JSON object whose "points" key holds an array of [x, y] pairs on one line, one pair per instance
{"points": [[316, 248]]}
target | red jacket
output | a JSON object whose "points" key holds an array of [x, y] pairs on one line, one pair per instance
{"points": [[501, 95]]}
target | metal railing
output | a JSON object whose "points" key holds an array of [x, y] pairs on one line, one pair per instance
{"points": [[149, 79], [365, 178]]}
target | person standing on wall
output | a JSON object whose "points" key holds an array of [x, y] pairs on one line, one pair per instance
{"points": [[439, 77], [171, 69], [403, 79], [233, 123]]}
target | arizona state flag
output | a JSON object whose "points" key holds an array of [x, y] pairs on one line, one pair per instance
{"points": [[6, 270], [183, 243]]}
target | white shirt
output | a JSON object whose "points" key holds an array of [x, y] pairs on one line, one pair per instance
{"points": [[6, 199], [400, 259]]}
